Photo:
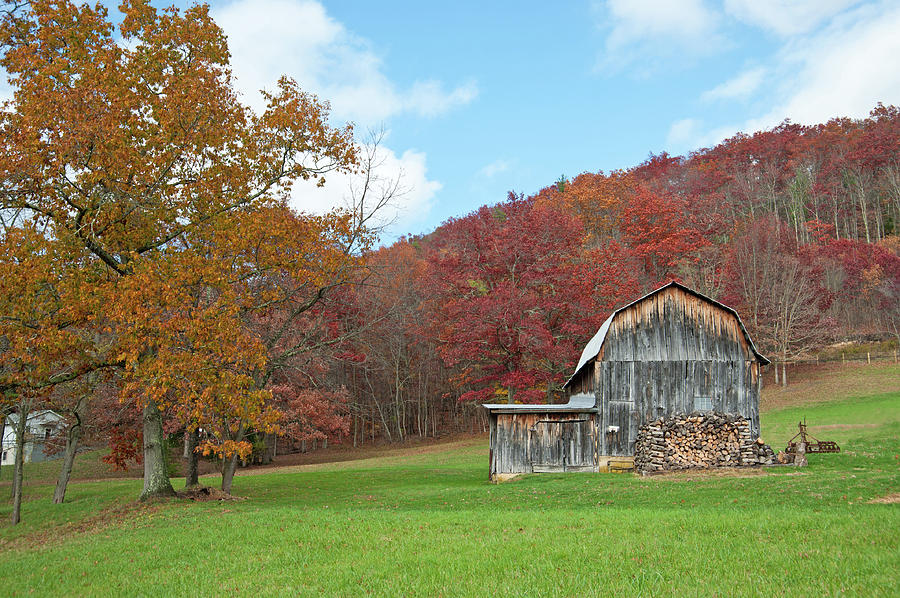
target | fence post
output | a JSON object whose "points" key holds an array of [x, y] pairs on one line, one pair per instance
{"points": [[842, 359], [868, 358]]}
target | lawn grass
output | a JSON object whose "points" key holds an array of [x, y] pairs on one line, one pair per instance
{"points": [[430, 524]]}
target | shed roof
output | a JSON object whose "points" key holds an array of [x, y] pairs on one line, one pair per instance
{"points": [[580, 403], [592, 349]]}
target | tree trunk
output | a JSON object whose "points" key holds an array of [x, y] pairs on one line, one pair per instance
{"points": [[271, 442], [192, 473], [784, 373], [863, 208], [72, 438], [19, 474], [231, 463], [385, 428], [156, 477], [2, 434], [228, 473]]}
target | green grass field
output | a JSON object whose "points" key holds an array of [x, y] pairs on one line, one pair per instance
{"points": [[430, 524]]}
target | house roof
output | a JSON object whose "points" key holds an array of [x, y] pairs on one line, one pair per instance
{"points": [[592, 349], [580, 403], [42, 414]]}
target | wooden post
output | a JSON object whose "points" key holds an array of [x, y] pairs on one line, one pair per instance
{"points": [[842, 359], [800, 457], [868, 358]]}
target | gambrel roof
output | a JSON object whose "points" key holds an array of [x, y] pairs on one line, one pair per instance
{"points": [[593, 347]]}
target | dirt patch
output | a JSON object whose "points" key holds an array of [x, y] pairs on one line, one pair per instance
{"points": [[843, 426], [117, 513], [206, 493], [120, 513], [505, 477], [890, 499], [346, 453]]}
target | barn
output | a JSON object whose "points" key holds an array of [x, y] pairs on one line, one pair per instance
{"points": [[671, 351]]}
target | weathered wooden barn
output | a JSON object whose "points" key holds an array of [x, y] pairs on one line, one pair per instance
{"points": [[671, 351]]}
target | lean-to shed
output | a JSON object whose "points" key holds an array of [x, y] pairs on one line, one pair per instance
{"points": [[671, 351]]}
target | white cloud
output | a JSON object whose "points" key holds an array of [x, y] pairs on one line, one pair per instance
{"points": [[639, 19], [786, 17], [269, 38], [428, 98], [682, 133], [737, 88], [409, 207], [842, 71], [494, 168], [641, 28]]}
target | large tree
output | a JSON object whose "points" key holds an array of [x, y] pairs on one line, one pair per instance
{"points": [[123, 143]]}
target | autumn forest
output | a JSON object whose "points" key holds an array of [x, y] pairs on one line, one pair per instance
{"points": [[157, 289]]}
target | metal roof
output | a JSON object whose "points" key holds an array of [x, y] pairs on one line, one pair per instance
{"points": [[583, 403], [592, 349]]}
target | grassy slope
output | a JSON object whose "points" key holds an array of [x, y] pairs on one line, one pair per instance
{"points": [[429, 524]]}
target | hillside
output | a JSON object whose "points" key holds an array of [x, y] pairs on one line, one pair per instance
{"points": [[795, 227]]}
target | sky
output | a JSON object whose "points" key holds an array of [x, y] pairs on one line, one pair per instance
{"points": [[479, 98]]}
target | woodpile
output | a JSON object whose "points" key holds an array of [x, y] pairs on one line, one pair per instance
{"points": [[698, 440]]}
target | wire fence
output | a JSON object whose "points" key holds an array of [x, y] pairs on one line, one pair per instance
{"points": [[851, 357]]}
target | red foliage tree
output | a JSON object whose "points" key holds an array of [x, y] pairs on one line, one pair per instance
{"points": [[514, 299], [660, 234]]}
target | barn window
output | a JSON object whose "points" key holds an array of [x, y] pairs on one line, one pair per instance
{"points": [[703, 404]]}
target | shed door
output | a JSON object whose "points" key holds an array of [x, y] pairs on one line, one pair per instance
{"points": [[566, 445], [619, 434]]}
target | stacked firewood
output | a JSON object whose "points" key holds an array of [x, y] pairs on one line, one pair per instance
{"points": [[699, 440]]}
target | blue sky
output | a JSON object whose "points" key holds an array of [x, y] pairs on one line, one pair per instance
{"points": [[479, 98]]}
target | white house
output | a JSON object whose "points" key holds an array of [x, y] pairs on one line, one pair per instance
{"points": [[39, 427]]}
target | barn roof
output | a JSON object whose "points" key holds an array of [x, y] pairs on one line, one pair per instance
{"points": [[592, 349], [580, 403]]}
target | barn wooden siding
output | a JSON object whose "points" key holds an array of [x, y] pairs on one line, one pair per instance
{"points": [[674, 325], [672, 352], [542, 442]]}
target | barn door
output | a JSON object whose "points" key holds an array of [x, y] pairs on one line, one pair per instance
{"points": [[566, 445], [619, 434]]}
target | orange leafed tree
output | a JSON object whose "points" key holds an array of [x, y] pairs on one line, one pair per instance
{"points": [[234, 307], [133, 147], [596, 198]]}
